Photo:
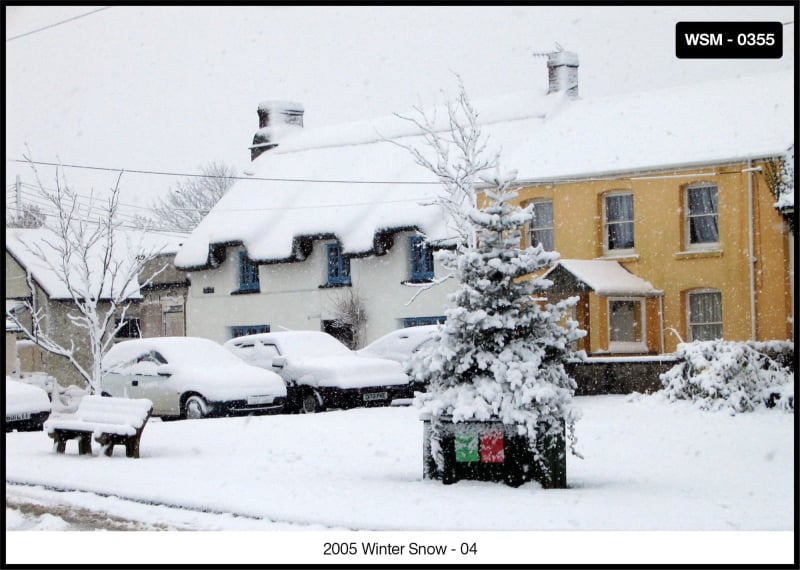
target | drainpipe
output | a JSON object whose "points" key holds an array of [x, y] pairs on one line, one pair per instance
{"points": [[752, 257], [661, 321]]}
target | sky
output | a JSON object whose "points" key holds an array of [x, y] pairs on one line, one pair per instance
{"points": [[170, 89], [290, 483]]}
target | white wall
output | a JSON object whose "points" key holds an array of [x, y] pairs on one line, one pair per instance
{"points": [[291, 296]]}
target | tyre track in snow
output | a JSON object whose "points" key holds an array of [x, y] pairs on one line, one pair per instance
{"points": [[88, 517]]}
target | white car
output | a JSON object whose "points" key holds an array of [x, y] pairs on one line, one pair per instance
{"points": [[321, 372], [27, 406], [400, 344], [189, 377]]}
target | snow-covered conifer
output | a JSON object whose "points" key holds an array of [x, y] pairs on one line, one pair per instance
{"points": [[501, 350]]}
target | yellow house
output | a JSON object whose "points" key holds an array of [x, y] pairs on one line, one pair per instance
{"points": [[663, 257], [659, 206]]}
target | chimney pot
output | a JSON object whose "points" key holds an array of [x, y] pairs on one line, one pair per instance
{"points": [[273, 117], [562, 71]]}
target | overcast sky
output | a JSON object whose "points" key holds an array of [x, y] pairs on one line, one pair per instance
{"points": [[172, 88]]}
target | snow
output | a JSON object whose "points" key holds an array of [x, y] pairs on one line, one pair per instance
{"points": [[606, 278], [317, 359], [23, 243], [398, 345], [194, 365], [648, 465], [22, 397], [370, 184]]}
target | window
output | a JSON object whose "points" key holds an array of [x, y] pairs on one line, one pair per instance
{"points": [[540, 229], [701, 215], [338, 266], [130, 328], [618, 221], [420, 321], [421, 259], [248, 274], [241, 330], [626, 325], [705, 315]]}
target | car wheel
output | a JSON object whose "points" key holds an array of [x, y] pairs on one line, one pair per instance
{"points": [[195, 408], [310, 402]]}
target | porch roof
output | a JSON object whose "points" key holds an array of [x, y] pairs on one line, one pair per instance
{"points": [[606, 278]]}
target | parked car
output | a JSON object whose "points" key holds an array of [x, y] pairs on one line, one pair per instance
{"points": [[189, 377], [400, 344], [320, 372], [27, 406]]}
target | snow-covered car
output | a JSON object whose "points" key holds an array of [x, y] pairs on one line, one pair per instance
{"points": [[189, 377], [400, 344], [27, 406], [320, 372]]}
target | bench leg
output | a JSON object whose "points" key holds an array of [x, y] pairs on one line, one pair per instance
{"points": [[132, 448], [85, 445], [60, 444], [108, 449]]}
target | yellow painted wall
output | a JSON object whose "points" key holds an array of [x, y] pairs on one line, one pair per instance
{"points": [[662, 258]]}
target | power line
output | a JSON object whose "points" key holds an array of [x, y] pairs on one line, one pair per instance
{"points": [[161, 173], [121, 225], [58, 23]]}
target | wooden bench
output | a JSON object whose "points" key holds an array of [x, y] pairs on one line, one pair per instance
{"points": [[111, 421]]}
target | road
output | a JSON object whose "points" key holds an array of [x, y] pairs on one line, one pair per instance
{"points": [[31, 507]]}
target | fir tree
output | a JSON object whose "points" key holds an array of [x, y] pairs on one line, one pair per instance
{"points": [[501, 351]]}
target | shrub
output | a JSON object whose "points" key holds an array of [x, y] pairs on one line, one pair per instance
{"points": [[739, 376]]}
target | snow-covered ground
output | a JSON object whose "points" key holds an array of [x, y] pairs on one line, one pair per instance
{"points": [[648, 466]]}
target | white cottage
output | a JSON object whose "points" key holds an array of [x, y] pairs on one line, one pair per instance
{"points": [[326, 233]]}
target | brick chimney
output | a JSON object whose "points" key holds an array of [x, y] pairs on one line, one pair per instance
{"points": [[562, 71], [275, 118]]}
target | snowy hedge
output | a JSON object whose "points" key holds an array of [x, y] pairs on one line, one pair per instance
{"points": [[738, 376]]}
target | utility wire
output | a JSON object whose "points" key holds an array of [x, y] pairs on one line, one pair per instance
{"points": [[58, 23], [174, 233], [161, 173]]}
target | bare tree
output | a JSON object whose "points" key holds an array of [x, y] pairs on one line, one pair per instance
{"points": [[455, 152], [779, 174], [191, 199], [88, 255], [349, 312]]}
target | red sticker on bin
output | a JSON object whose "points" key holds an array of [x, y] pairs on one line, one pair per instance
{"points": [[492, 447]]}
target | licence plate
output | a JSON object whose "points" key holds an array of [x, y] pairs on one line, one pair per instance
{"points": [[372, 396], [255, 400], [17, 417]]}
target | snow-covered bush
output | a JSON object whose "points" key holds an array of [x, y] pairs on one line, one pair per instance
{"points": [[738, 376], [500, 353]]}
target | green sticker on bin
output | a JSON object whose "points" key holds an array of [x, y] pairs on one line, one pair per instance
{"points": [[467, 448]]}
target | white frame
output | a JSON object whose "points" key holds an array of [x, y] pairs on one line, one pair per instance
{"points": [[626, 251], [539, 228], [687, 234], [621, 346], [689, 322]]}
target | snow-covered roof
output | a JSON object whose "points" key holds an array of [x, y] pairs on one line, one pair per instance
{"points": [[606, 278], [372, 184], [23, 244]]}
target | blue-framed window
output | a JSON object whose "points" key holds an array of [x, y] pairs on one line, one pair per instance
{"points": [[248, 274], [420, 321], [338, 266], [421, 259], [241, 330]]}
